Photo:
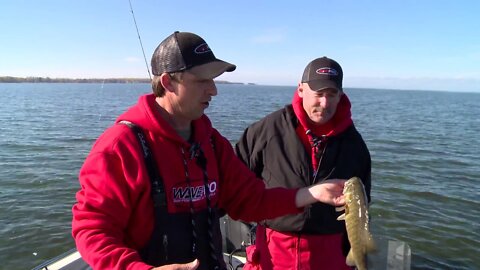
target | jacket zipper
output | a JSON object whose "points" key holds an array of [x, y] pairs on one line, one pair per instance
{"points": [[322, 144]]}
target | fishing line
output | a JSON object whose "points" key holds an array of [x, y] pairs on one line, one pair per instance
{"points": [[140, 39]]}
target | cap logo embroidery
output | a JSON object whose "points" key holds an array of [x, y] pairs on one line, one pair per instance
{"points": [[202, 48], [327, 71]]}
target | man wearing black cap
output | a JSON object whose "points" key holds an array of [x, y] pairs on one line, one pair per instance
{"points": [[153, 184], [307, 142]]}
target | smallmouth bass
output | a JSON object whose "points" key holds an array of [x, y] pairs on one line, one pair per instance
{"points": [[357, 223]]}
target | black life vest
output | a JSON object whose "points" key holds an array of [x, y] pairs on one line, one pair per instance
{"points": [[179, 237]]}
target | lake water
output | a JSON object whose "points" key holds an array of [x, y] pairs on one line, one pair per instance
{"points": [[424, 146]]}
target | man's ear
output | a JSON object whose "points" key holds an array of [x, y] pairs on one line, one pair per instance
{"points": [[300, 90], [166, 82]]}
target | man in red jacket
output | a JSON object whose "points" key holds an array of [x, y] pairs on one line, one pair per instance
{"points": [[130, 216]]}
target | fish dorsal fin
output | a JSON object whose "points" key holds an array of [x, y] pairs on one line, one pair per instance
{"points": [[364, 193], [370, 245]]}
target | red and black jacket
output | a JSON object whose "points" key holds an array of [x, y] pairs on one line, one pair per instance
{"points": [[273, 150]]}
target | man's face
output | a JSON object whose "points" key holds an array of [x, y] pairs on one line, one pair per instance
{"points": [[320, 106], [192, 96]]}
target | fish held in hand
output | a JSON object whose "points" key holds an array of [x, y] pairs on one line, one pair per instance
{"points": [[356, 222]]}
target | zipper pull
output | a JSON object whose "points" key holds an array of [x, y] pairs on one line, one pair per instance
{"points": [[165, 246]]}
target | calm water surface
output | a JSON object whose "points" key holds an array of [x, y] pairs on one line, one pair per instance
{"points": [[424, 145]]}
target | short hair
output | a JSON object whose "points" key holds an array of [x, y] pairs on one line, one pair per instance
{"points": [[157, 87]]}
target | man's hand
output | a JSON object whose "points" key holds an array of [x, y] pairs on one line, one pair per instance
{"points": [[329, 192], [186, 266]]}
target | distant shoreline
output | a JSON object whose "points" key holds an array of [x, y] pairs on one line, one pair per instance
{"points": [[10, 79]]}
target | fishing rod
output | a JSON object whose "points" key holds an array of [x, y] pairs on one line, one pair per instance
{"points": [[140, 39]]}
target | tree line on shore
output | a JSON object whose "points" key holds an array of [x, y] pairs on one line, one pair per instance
{"points": [[10, 79]]}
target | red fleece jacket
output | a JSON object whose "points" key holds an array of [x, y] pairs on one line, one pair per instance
{"points": [[113, 216]]}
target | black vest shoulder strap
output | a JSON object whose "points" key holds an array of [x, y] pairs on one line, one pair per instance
{"points": [[150, 253], [158, 190]]}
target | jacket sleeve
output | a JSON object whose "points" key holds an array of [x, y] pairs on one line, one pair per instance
{"points": [[243, 195], [107, 197], [367, 176], [364, 161], [248, 150]]}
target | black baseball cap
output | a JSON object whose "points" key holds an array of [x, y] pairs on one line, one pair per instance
{"points": [[323, 73], [183, 51]]}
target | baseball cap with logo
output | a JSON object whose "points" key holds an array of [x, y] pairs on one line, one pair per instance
{"points": [[183, 51], [323, 73]]}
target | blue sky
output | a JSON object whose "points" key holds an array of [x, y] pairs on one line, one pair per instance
{"points": [[409, 44]]}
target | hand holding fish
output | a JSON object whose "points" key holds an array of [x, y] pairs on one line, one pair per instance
{"points": [[329, 192]]}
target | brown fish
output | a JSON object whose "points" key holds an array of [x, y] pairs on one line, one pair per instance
{"points": [[356, 221]]}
